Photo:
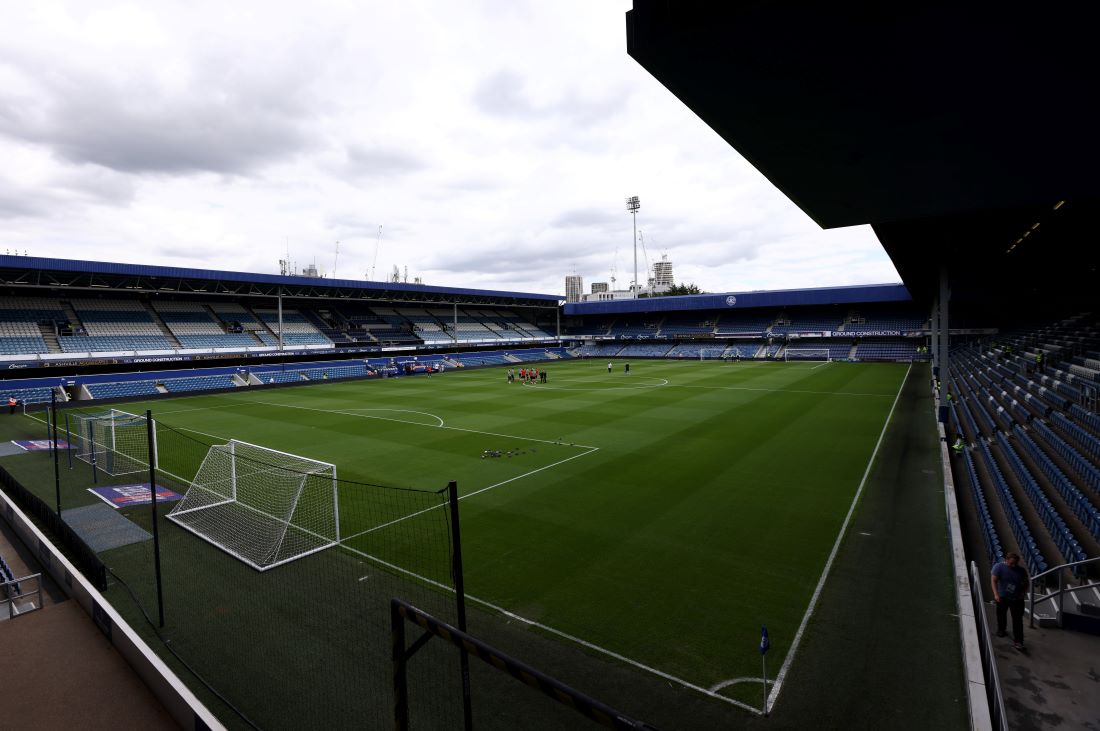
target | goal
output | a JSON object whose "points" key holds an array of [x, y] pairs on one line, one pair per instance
{"points": [[815, 354], [116, 442], [260, 505]]}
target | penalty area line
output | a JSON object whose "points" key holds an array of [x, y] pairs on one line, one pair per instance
{"points": [[469, 494]]}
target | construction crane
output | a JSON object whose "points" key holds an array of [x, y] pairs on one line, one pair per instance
{"points": [[377, 246], [645, 255]]}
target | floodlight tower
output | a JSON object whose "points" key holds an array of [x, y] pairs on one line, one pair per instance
{"points": [[632, 205]]}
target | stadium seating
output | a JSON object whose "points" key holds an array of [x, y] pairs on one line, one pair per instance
{"points": [[1082, 507], [224, 340], [697, 351], [123, 389], [1088, 441], [645, 350], [887, 349], [744, 323], [280, 376], [1063, 538], [743, 351], [197, 383], [994, 552], [802, 322], [28, 395], [118, 343], [1032, 555]]}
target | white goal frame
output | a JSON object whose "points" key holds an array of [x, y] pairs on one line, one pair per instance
{"points": [[808, 353], [100, 442], [196, 505]]}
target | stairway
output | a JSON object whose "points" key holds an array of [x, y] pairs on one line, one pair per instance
{"points": [[50, 336], [70, 313], [162, 326]]}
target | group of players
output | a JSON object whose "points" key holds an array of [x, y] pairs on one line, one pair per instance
{"points": [[527, 375]]}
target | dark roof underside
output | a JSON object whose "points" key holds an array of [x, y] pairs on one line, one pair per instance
{"points": [[950, 127]]}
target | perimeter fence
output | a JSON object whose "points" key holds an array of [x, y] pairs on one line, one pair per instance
{"points": [[306, 644]]}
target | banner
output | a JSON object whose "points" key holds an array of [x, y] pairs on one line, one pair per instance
{"points": [[126, 496], [34, 445]]}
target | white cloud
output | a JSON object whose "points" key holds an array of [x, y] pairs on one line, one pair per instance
{"points": [[495, 142]]}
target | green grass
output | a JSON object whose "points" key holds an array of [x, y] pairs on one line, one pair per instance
{"points": [[662, 516]]}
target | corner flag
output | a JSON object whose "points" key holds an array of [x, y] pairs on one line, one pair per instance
{"points": [[765, 643]]}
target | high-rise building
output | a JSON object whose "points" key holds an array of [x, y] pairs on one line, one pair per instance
{"points": [[662, 273], [598, 287], [574, 287]]}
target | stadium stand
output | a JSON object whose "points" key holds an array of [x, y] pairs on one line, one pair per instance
{"points": [[34, 395], [123, 389], [197, 383]]}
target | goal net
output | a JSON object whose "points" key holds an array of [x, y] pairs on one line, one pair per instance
{"points": [[116, 442], [818, 354], [260, 505]]}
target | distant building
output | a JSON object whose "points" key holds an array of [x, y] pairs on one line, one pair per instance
{"points": [[574, 287], [662, 273], [311, 271], [598, 287]]}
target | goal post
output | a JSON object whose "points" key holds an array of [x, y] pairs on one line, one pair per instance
{"points": [[261, 506], [803, 354], [114, 441]]}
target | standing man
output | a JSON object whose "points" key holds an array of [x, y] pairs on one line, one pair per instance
{"points": [[12, 403], [626, 368], [542, 374], [1010, 582], [609, 367]]}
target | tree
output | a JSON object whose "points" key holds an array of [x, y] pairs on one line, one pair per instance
{"points": [[677, 290]]}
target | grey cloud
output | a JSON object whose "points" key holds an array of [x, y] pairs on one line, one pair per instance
{"points": [[224, 125], [502, 95], [588, 218], [378, 162], [17, 205]]}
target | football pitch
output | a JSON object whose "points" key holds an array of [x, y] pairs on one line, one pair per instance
{"points": [[656, 518]]}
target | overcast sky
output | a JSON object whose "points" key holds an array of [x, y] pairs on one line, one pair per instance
{"points": [[494, 140]]}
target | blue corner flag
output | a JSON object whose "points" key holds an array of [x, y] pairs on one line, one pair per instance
{"points": [[765, 643]]}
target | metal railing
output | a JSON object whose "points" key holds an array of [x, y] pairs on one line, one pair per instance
{"points": [[989, 660], [1060, 594], [402, 612], [15, 596]]}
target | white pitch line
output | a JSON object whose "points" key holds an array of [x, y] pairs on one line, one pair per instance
{"points": [[782, 674], [783, 390], [417, 423], [571, 638], [197, 408], [735, 681], [819, 365], [469, 494], [639, 387]]}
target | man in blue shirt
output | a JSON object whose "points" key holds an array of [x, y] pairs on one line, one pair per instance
{"points": [[1010, 582]]}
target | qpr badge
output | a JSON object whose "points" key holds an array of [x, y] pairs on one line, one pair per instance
{"points": [[731, 300]]}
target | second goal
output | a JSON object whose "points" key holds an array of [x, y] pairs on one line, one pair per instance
{"points": [[260, 505]]}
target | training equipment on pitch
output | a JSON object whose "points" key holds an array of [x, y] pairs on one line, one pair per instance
{"points": [[260, 505]]}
